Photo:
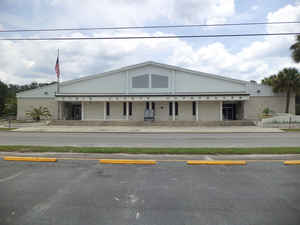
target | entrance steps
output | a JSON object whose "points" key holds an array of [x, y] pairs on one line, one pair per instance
{"points": [[151, 123]]}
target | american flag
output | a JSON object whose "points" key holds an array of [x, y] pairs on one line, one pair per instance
{"points": [[57, 68]]}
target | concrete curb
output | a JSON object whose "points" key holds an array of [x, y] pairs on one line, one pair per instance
{"points": [[149, 132], [29, 159], [291, 162]]}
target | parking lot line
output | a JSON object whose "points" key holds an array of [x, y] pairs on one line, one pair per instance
{"points": [[214, 162], [127, 161]]}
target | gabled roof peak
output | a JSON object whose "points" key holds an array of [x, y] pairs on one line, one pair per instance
{"points": [[153, 63]]}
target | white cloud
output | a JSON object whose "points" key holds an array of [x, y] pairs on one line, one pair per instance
{"points": [[253, 62], [254, 7], [23, 62], [129, 12]]}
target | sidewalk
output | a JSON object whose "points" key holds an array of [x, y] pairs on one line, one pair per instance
{"points": [[147, 129]]}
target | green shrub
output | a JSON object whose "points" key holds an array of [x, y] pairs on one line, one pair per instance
{"points": [[37, 113]]}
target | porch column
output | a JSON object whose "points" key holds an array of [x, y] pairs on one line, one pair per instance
{"points": [[197, 111], [221, 111], [104, 110], [173, 110], [127, 110], [82, 110]]}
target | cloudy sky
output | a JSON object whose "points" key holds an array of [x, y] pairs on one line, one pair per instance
{"points": [[247, 58]]}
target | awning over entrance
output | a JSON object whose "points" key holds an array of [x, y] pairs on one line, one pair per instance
{"points": [[139, 98]]}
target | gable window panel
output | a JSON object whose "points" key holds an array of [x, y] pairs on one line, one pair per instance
{"points": [[159, 81], [141, 81]]}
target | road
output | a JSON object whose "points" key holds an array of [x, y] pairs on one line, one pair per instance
{"points": [[169, 193], [151, 139]]}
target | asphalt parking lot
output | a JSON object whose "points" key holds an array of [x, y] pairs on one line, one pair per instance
{"points": [[74, 192]]}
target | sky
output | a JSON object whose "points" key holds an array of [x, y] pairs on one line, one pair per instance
{"points": [[245, 58]]}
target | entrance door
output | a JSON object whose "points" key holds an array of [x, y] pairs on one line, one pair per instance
{"points": [[76, 112], [149, 111], [229, 111]]}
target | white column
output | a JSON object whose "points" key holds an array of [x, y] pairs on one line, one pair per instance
{"points": [[173, 110], [104, 110], [221, 111], [127, 110], [197, 111], [82, 110]]}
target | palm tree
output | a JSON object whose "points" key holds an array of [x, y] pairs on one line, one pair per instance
{"points": [[37, 113], [287, 80], [296, 50]]}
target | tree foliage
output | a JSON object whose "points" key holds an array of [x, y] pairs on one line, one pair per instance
{"points": [[286, 81], [8, 101], [295, 48], [38, 113]]}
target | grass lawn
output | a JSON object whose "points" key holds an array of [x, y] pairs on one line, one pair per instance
{"points": [[292, 130], [267, 150], [6, 129]]}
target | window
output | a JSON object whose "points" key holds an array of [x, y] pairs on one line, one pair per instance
{"points": [[194, 108], [130, 108], [141, 81], [158, 81], [176, 108], [107, 109], [147, 105], [171, 108], [153, 105], [124, 109]]}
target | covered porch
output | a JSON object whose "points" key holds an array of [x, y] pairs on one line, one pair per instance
{"points": [[151, 108]]}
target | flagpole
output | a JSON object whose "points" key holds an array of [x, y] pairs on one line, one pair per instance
{"points": [[58, 77]]}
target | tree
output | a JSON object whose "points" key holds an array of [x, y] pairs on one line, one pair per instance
{"points": [[287, 80], [296, 50], [3, 96], [37, 113], [10, 107]]}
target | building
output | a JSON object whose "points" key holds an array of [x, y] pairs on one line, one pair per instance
{"points": [[154, 91]]}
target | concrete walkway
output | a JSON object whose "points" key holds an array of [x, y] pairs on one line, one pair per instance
{"points": [[147, 129]]}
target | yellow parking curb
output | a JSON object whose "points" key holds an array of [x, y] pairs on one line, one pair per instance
{"points": [[127, 161], [291, 162], [29, 159], [212, 162]]}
